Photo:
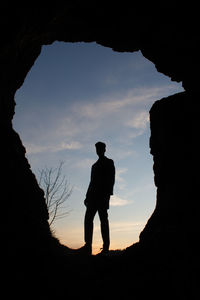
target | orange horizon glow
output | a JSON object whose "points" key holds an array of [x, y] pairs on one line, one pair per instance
{"points": [[122, 235]]}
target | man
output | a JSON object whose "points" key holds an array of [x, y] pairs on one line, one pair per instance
{"points": [[97, 198]]}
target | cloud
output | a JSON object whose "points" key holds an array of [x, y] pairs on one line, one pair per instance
{"points": [[34, 149], [126, 226], [115, 112], [123, 226], [107, 104], [84, 164], [140, 121], [119, 117], [121, 184], [117, 201], [119, 172]]}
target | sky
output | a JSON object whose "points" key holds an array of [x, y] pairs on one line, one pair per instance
{"points": [[75, 95]]}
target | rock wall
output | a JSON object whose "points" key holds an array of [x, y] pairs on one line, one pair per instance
{"points": [[173, 144], [24, 217]]}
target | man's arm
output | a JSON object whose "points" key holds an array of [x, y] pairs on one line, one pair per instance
{"points": [[89, 189], [111, 176]]}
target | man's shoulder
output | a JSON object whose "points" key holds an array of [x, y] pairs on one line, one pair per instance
{"points": [[104, 161], [110, 161]]}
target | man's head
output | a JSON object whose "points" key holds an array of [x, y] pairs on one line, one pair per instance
{"points": [[100, 148]]}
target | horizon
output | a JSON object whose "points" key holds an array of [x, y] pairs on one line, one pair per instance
{"points": [[75, 95]]}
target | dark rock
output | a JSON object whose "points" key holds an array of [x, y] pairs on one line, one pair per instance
{"points": [[174, 128]]}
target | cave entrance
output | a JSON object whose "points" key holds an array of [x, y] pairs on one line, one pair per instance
{"points": [[78, 94]]}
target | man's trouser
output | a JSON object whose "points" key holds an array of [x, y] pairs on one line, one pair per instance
{"points": [[88, 225]]}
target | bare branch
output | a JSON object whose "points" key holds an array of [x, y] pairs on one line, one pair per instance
{"points": [[56, 190]]}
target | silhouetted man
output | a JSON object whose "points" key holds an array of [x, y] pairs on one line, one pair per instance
{"points": [[97, 198]]}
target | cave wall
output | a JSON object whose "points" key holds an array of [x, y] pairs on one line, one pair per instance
{"points": [[164, 36], [173, 144]]}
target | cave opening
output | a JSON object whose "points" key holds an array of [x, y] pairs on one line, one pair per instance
{"points": [[75, 95]]}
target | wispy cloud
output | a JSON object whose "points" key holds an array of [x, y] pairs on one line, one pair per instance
{"points": [[121, 183], [119, 116], [111, 104], [117, 201], [123, 226], [126, 226], [107, 104], [35, 149], [84, 164], [140, 121]]}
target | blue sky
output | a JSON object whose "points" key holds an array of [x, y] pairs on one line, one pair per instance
{"points": [[75, 95]]}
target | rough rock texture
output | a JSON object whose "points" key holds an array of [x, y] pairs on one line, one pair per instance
{"points": [[174, 128], [167, 34]]}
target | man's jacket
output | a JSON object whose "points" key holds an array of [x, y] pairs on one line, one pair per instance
{"points": [[102, 179]]}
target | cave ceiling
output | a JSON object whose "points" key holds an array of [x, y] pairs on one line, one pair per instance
{"points": [[165, 33]]}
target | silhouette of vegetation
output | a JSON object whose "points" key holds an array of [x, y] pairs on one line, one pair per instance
{"points": [[57, 190]]}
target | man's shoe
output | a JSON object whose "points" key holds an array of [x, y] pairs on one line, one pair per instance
{"points": [[104, 252], [85, 250]]}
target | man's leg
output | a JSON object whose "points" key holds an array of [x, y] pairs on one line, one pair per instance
{"points": [[103, 215], [88, 225]]}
